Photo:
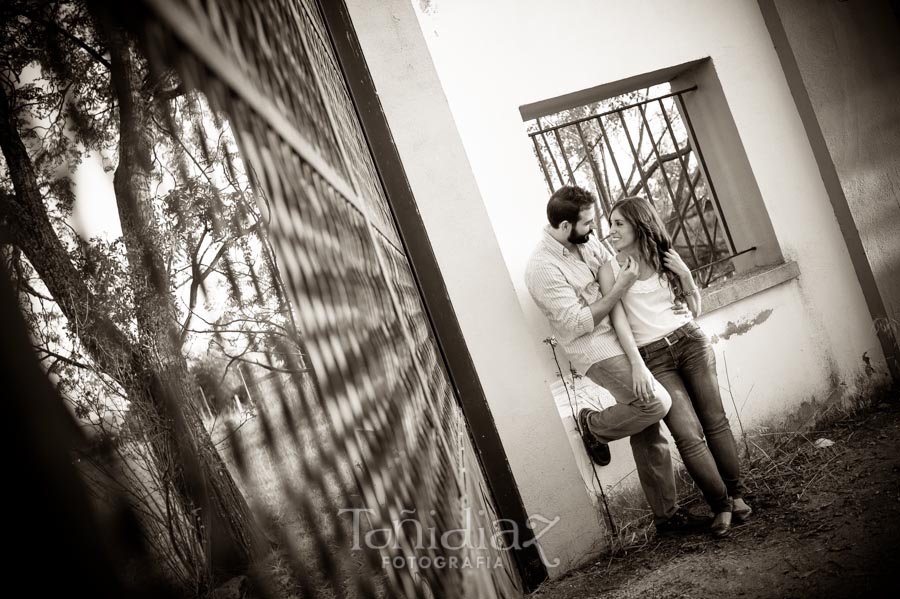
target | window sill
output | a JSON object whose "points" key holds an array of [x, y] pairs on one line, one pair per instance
{"points": [[746, 284]]}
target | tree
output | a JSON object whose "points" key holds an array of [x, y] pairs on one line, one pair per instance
{"points": [[69, 87]]}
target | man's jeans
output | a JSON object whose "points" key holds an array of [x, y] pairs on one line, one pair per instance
{"points": [[640, 421], [687, 369]]}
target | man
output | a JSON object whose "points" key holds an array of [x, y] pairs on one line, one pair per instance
{"points": [[563, 279]]}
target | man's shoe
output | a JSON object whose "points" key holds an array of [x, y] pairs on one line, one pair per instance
{"points": [[721, 524], [741, 511], [682, 522], [597, 450]]}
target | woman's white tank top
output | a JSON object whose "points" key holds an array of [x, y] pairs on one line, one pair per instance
{"points": [[648, 305]]}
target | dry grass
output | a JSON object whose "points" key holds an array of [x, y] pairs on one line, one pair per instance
{"points": [[779, 463]]}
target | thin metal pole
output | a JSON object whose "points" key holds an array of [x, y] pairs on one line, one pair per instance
{"points": [[712, 189], [605, 169], [552, 157], [589, 154], [562, 150], [684, 167], [634, 153], [540, 155], [675, 207], [612, 154], [659, 162], [712, 251], [682, 225]]}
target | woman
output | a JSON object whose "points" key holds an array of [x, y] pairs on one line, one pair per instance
{"points": [[678, 354]]}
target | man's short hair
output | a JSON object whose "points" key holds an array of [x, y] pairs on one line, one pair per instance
{"points": [[566, 204]]}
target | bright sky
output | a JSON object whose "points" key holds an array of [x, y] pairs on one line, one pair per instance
{"points": [[95, 213]]}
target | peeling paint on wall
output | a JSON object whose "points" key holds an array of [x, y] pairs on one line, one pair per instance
{"points": [[868, 362], [427, 6], [742, 326]]}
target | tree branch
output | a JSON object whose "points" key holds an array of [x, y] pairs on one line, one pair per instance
{"points": [[71, 37], [664, 158], [61, 358], [240, 358], [30, 229]]}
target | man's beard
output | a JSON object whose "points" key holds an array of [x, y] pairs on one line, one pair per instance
{"points": [[579, 239]]}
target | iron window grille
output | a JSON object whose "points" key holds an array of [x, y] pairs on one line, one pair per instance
{"points": [[648, 148]]}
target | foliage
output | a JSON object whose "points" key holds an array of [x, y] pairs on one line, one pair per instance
{"points": [[188, 283]]}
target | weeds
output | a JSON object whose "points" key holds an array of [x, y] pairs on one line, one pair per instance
{"points": [[780, 463]]}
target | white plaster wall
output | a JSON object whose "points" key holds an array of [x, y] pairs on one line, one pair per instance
{"points": [[768, 366], [848, 54], [491, 58]]}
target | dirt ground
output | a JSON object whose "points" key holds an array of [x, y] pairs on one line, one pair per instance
{"points": [[826, 524]]}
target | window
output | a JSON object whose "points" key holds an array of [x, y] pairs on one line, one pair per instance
{"points": [[641, 143], [669, 136]]}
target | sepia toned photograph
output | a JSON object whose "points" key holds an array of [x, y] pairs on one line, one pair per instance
{"points": [[439, 299]]}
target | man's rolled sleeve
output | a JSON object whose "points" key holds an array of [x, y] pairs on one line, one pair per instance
{"points": [[569, 314]]}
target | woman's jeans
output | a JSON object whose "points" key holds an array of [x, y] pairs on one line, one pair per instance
{"points": [[687, 370]]}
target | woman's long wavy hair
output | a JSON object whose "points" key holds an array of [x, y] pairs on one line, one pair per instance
{"points": [[651, 237]]}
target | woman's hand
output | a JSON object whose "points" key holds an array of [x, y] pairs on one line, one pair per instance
{"points": [[673, 262], [643, 383], [680, 308]]}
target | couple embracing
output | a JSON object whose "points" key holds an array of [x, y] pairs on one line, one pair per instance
{"points": [[627, 323]]}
